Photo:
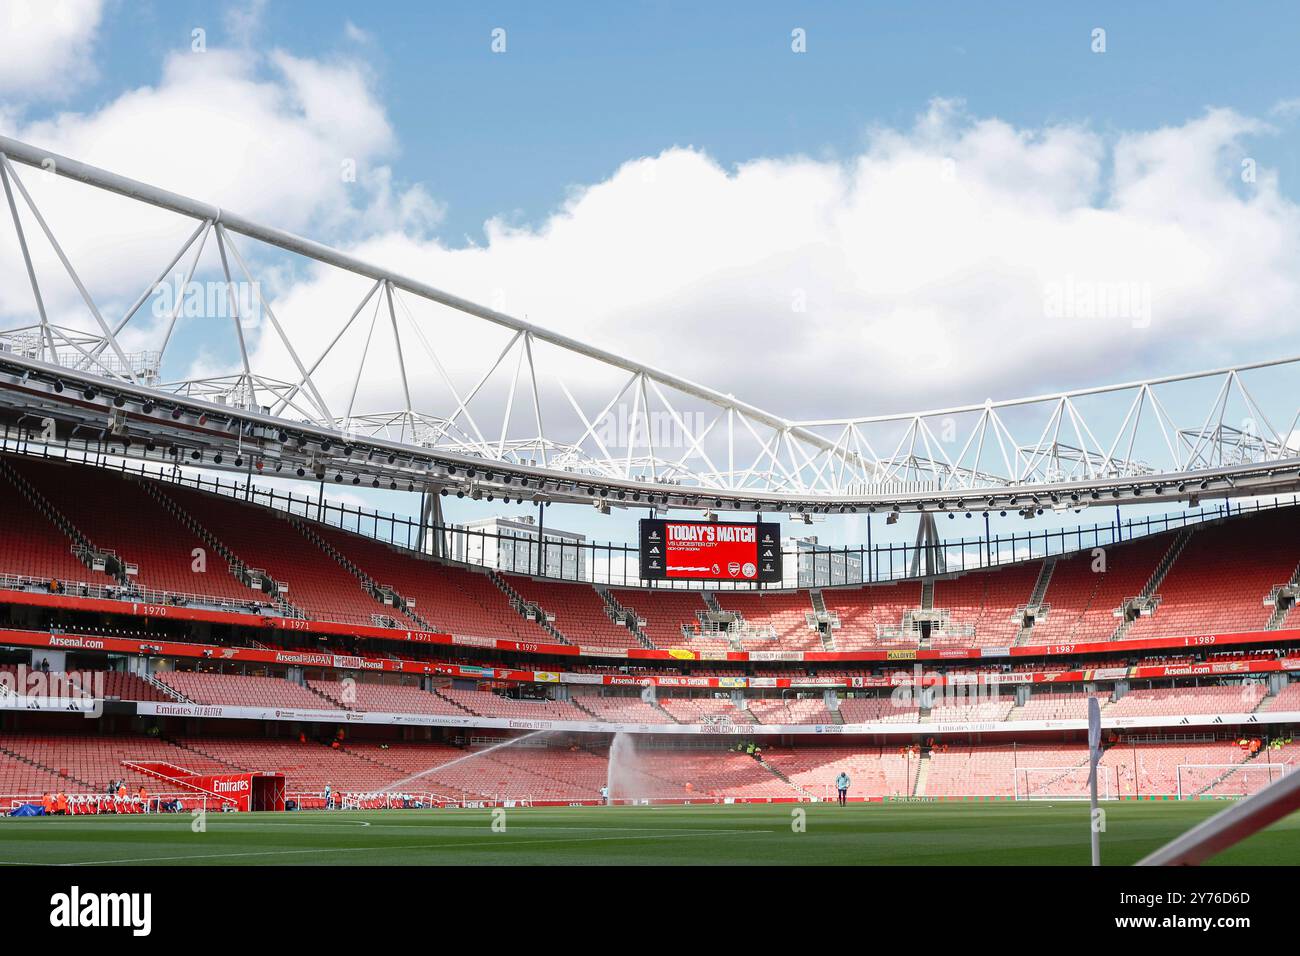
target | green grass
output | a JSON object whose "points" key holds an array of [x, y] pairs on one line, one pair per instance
{"points": [[872, 834]]}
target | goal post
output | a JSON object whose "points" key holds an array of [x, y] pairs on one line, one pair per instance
{"points": [[1226, 779], [1229, 827], [1062, 783]]}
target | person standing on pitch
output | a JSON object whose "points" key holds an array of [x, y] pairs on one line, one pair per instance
{"points": [[842, 785]]}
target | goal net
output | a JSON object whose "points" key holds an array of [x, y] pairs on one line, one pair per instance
{"points": [[1062, 783], [1226, 779]]}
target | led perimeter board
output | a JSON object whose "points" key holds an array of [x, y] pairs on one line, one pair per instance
{"points": [[710, 551]]}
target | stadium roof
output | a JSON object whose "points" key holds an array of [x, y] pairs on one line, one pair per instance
{"points": [[648, 438]]}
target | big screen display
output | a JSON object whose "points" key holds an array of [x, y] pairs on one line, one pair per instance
{"points": [[710, 551]]}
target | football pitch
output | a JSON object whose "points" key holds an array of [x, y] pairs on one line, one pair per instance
{"points": [[861, 834]]}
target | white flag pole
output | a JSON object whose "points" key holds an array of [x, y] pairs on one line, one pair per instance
{"points": [[1094, 756]]}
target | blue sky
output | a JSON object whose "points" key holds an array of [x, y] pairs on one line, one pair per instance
{"points": [[583, 87], [451, 135]]}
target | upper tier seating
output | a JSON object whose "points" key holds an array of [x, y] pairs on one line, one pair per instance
{"points": [[1082, 602], [264, 539], [33, 546], [665, 611], [455, 600], [862, 610], [984, 602], [1220, 580], [579, 612], [117, 514], [1216, 585], [785, 613]]}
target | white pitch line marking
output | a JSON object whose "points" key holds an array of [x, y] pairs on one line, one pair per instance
{"points": [[371, 849]]}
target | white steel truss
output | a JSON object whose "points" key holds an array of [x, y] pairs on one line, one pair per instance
{"points": [[557, 407]]}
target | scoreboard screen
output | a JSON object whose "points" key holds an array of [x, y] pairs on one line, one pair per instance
{"points": [[710, 551]]}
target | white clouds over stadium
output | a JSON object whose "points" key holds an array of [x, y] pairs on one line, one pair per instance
{"points": [[953, 259], [45, 47]]}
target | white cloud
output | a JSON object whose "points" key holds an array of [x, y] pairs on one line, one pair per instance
{"points": [[45, 46], [292, 141]]}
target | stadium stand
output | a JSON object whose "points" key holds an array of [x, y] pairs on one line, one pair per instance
{"points": [[240, 691], [695, 710], [865, 614], [1220, 580], [1288, 698], [33, 546], [447, 598], [976, 708], [866, 710], [774, 620], [265, 540], [383, 697], [981, 606], [665, 612], [793, 711], [1082, 602], [108, 685], [1058, 706], [487, 704], [116, 513], [632, 710], [872, 771], [578, 609], [1174, 701]]}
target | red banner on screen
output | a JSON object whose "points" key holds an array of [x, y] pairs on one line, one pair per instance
{"points": [[710, 551]]}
